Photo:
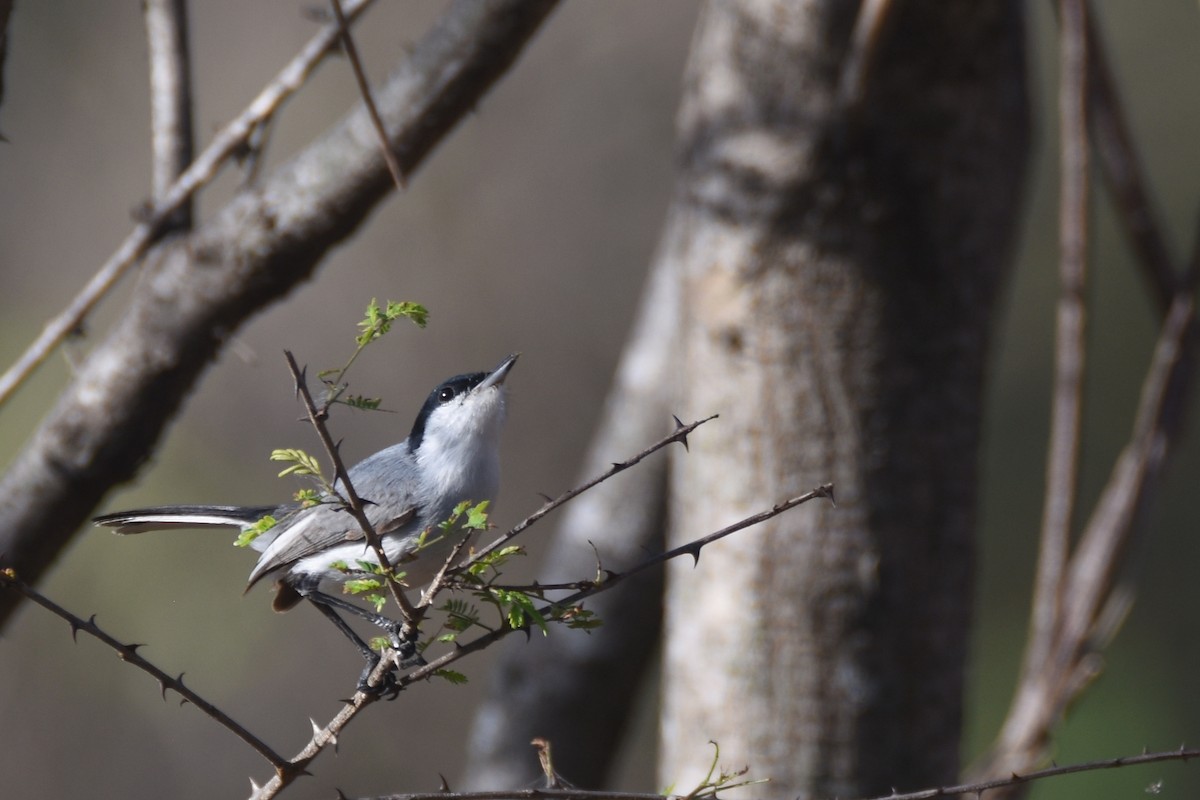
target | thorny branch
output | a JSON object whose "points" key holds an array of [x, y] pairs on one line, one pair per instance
{"points": [[129, 654], [342, 478], [680, 435], [322, 737]]}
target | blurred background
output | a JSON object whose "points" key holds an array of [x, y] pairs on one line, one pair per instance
{"points": [[530, 229]]}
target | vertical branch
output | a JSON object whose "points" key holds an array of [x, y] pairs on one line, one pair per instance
{"points": [[1062, 463], [171, 139]]}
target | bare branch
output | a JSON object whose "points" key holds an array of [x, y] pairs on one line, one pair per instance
{"points": [[680, 435], [170, 101], [129, 654], [201, 172], [1066, 415], [5, 11], [977, 788], [364, 88], [1122, 170]]}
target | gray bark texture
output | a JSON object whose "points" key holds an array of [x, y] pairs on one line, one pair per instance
{"points": [[843, 224]]}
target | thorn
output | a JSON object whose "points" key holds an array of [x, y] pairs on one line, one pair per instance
{"points": [[162, 688], [545, 497], [316, 727], [342, 795], [682, 439], [254, 787], [183, 701], [74, 631], [694, 552], [827, 490], [445, 786]]}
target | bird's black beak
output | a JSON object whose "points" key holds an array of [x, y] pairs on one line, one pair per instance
{"points": [[498, 375]]}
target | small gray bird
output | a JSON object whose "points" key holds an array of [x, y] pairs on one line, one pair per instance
{"points": [[452, 454]]}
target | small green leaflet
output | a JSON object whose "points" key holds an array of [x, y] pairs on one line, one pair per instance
{"points": [[302, 462], [457, 678], [360, 585], [378, 321], [247, 536]]}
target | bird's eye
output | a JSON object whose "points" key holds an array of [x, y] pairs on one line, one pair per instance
{"points": [[446, 395]]}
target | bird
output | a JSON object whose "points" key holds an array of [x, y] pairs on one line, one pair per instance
{"points": [[451, 455]]}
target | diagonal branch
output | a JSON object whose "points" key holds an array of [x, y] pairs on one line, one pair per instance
{"points": [[228, 143], [129, 654], [256, 249], [680, 435]]}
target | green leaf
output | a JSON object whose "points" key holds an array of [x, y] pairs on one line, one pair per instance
{"points": [[263, 525], [379, 643], [519, 609], [494, 559], [378, 322], [456, 678], [362, 403], [377, 600], [302, 462], [477, 517], [307, 498], [360, 585]]}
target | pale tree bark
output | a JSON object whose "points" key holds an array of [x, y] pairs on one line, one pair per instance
{"points": [[843, 224]]}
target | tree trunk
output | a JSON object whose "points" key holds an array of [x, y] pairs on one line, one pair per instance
{"points": [[844, 220]]}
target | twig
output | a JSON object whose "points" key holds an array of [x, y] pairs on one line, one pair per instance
{"points": [[680, 435], [171, 140], [977, 789], [869, 28], [129, 653], [342, 476], [364, 88], [322, 737], [1111, 527], [1122, 169], [1062, 467], [227, 143]]}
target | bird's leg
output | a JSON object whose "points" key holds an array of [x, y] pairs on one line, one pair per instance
{"points": [[372, 658], [405, 645]]}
